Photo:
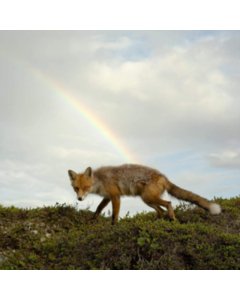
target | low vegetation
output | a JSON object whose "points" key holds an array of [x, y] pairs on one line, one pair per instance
{"points": [[62, 237]]}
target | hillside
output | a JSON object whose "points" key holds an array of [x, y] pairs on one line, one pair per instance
{"points": [[61, 237]]}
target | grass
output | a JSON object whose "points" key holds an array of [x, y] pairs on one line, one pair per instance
{"points": [[62, 237]]}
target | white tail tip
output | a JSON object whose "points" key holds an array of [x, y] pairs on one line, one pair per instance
{"points": [[215, 209]]}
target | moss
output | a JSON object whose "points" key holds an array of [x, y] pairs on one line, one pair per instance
{"points": [[61, 237]]}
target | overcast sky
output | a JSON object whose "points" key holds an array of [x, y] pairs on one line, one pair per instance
{"points": [[170, 99]]}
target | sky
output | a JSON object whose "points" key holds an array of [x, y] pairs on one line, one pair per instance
{"points": [[73, 99]]}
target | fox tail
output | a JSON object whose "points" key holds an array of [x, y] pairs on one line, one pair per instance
{"points": [[180, 193]]}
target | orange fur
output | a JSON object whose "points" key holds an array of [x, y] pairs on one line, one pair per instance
{"points": [[132, 180]]}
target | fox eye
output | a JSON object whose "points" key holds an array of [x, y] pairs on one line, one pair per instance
{"points": [[76, 189]]}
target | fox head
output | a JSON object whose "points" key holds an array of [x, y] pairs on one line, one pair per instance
{"points": [[81, 182]]}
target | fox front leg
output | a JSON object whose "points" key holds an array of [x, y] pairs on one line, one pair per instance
{"points": [[100, 207], [115, 209]]}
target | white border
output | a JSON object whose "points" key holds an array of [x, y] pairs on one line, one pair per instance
{"points": [[119, 285], [124, 14]]}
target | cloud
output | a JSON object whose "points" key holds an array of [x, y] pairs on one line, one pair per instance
{"points": [[226, 159], [170, 96], [185, 89]]}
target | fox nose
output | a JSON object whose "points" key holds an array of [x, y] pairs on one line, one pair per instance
{"points": [[80, 198]]}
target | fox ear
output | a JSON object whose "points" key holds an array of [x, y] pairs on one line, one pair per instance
{"points": [[88, 172], [72, 175]]}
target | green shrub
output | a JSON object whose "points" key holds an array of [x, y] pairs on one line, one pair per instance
{"points": [[62, 237]]}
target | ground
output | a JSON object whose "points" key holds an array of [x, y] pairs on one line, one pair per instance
{"points": [[62, 237]]}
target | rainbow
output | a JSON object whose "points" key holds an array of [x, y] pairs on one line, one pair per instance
{"points": [[87, 114]]}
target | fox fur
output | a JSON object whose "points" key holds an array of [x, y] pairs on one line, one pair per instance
{"points": [[133, 180]]}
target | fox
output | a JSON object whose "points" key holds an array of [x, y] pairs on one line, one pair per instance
{"points": [[112, 182]]}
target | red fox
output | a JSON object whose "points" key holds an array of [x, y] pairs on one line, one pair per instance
{"points": [[133, 180]]}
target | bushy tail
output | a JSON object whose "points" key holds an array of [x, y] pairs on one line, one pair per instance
{"points": [[180, 193]]}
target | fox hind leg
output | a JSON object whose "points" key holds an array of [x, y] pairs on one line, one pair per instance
{"points": [[168, 206], [158, 209], [156, 202]]}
